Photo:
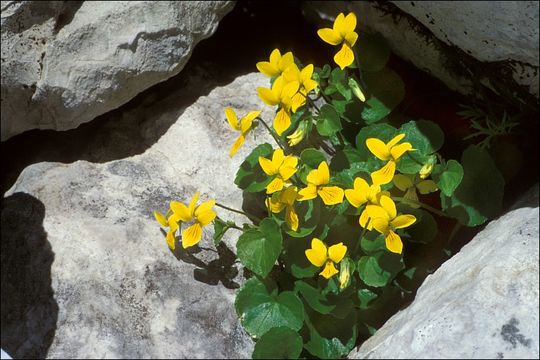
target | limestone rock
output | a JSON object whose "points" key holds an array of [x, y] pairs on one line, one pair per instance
{"points": [[65, 63], [118, 290], [498, 37], [482, 303]]}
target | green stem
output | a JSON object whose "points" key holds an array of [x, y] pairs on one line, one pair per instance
{"points": [[361, 236], [271, 133], [362, 83], [252, 217], [427, 207]]}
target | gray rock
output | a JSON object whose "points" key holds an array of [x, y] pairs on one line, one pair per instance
{"points": [[482, 303], [497, 36], [118, 289], [65, 63]]}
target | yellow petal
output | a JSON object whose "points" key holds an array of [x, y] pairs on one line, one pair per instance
{"points": [[331, 195], [338, 22], [403, 221], [373, 194], [403, 182], [236, 145], [363, 220], [277, 158], [319, 176], [286, 172], [275, 185], [173, 224], [247, 121], [161, 219], [329, 270], [289, 195], [192, 235], [376, 211], [204, 207], [268, 96], [355, 198], [381, 225], [181, 211], [267, 166], [307, 193], [378, 148], [427, 186], [275, 57], [297, 101], [348, 25], [290, 89], [395, 140], [267, 69], [291, 218], [192, 204], [171, 240], [330, 36], [337, 252], [282, 121], [292, 73], [393, 242], [317, 254], [388, 205], [231, 118], [350, 38], [275, 205], [344, 57], [385, 174], [306, 73], [398, 150], [206, 217], [286, 60], [310, 85]]}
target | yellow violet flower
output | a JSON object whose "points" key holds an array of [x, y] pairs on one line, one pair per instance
{"points": [[385, 220], [285, 200], [342, 32], [390, 152], [277, 63], [410, 183], [298, 135], [316, 179], [320, 255], [280, 94], [363, 193], [196, 216], [243, 126], [292, 73], [281, 166], [172, 223]]}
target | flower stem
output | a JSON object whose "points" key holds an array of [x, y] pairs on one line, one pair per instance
{"points": [[361, 235], [271, 133], [252, 217], [427, 207], [362, 83]]}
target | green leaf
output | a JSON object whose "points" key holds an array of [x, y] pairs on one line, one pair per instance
{"points": [[383, 132], [250, 176], [412, 162], [308, 216], [260, 311], [378, 270], [366, 296], [312, 157], [425, 136], [328, 121], [373, 243], [258, 249], [480, 193], [313, 297], [278, 343], [424, 229], [387, 91], [220, 228], [450, 178], [373, 52]]}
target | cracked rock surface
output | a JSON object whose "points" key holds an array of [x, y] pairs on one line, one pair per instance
{"points": [[109, 287], [66, 62]]}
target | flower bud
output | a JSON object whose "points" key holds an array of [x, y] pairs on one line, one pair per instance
{"points": [[356, 90], [296, 137], [345, 270]]}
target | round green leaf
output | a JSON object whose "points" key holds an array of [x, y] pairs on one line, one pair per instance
{"points": [[425, 136], [312, 157], [313, 297], [378, 270], [387, 91], [258, 249], [278, 343], [450, 178], [366, 296], [328, 121], [250, 176], [373, 52]]}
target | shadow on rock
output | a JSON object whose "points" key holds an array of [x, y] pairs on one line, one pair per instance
{"points": [[220, 269], [29, 310]]}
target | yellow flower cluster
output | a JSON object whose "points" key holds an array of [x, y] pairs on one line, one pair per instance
{"points": [[195, 217]]}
